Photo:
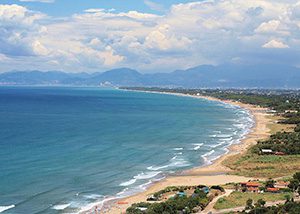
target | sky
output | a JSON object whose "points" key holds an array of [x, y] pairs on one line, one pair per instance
{"points": [[147, 35]]}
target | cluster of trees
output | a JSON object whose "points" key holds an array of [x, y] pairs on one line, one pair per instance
{"points": [[290, 206], [286, 142], [176, 189], [295, 183], [174, 205]]}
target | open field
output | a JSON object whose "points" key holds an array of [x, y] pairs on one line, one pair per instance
{"points": [[279, 127], [237, 199], [263, 166]]}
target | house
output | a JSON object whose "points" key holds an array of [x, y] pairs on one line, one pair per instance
{"points": [[282, 184], [181, 194], [152, 198], [267, 151], [205, 190], [279, 153], [272, 189], [142, 208], [250, 186]]}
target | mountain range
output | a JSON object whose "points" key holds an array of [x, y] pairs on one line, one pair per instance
{"points": [[204, 76]]}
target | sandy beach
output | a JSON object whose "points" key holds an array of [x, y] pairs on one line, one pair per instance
{"points": [[213, 174]]}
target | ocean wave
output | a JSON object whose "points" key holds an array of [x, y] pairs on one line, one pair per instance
{"points": [[219, 144], [4, 208], [60, 206], [227, 140], [154, 168], [93, 196], [175, 162], [141, 176], [178, 149], [197, 146], [128, 183], [147, 175], [224, 135], [208, 153]]}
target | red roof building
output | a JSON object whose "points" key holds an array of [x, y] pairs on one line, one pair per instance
{"points": [[272, 189]]}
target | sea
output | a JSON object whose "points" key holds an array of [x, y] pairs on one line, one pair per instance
{"points": [[65, 149]]}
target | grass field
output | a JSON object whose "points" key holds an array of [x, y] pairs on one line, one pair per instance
{"points": [[238, 199], [279, 127], [263, 166]]}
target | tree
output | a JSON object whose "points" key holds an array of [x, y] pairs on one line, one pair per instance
{"points": [[294, 184], [249, 204], [270, 183], [260, 203], [297, 176]]}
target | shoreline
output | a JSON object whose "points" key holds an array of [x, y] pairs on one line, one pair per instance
{"points": [[213, 174]]}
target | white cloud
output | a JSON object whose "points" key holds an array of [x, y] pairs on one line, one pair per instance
{"points": [[155, 6], [188, 34], [268, 27], [275, 44], [44, 1]]}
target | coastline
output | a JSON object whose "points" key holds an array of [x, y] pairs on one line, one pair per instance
{"points": [[212, 174]]}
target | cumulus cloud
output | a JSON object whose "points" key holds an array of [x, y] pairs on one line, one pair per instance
{"points": [[275, 44], [187, 34]]}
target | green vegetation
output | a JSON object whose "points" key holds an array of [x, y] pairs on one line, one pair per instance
{"points": [[174, 205], [286, 142], [263, 166], [186, 199], [176, 189], [290, 207], [238, 199]]}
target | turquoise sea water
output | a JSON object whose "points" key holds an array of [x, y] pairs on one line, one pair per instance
{"points": [[63, 149]]}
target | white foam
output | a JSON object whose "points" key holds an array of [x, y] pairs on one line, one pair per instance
{"points": [[99, 204], [147, 175], [178, 149], [128, 183], [154, 168], [197, 146], [174, 162], [173, 158], [122, 192], [224, 135], [208, 153], [4, 208], [93, 196], [60, 206], [219, 144]]}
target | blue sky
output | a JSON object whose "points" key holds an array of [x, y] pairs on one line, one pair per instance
{"points": [[69, 7], [147, 35]]}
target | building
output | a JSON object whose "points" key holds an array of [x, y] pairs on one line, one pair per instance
{"points": [[250, 186], [267, 151], [272, 189], [279, 153], [282, 184]]}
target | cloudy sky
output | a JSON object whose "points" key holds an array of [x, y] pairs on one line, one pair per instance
{"points": [[97, 35]]}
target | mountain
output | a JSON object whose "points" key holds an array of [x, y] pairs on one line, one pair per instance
{"points": [[204, 76]]}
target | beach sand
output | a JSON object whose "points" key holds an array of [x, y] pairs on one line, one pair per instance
{"points": [[213, 174]]}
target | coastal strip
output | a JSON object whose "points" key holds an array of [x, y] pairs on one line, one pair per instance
{"points": [[215, 173]]}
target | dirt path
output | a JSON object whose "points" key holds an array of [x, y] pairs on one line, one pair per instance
{"points": [[210, 206]]}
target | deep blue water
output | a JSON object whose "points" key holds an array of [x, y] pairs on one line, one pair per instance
{"points": [[62, 149]]}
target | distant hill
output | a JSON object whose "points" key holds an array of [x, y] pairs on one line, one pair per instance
{"points": [[204, 76]]}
